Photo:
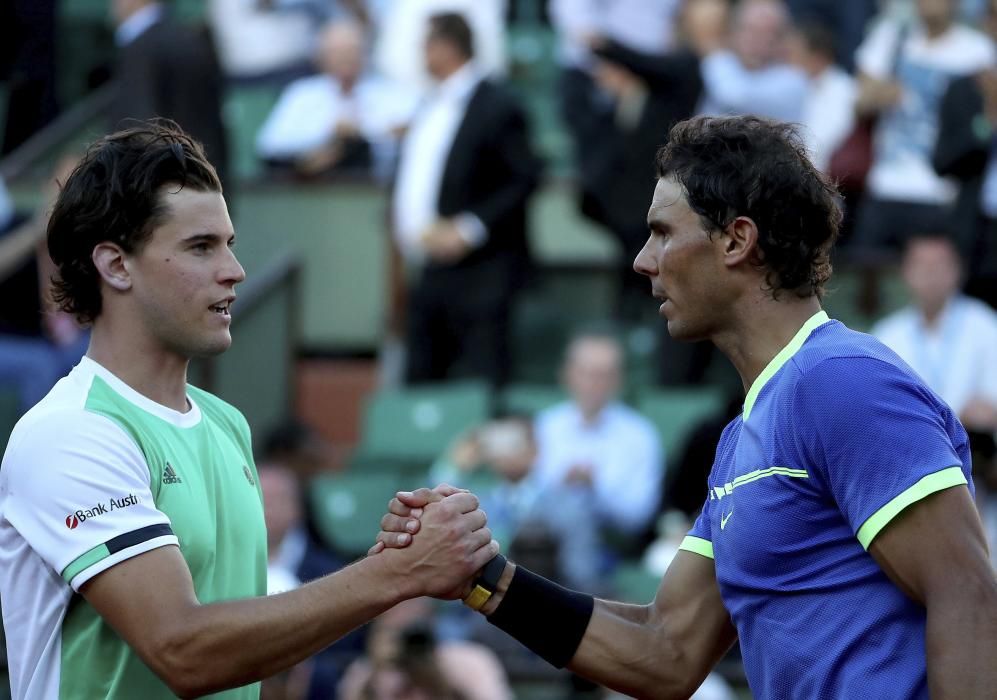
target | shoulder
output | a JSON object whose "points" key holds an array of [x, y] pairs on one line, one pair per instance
{"points": [[309, 85], [973, 43], [555, 415], [632, 421], [892, 325], [217, 409]]}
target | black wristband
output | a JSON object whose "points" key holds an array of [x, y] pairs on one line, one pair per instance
{"points": [[549, 619]]}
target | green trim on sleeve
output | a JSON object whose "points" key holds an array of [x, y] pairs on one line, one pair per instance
{"points": [[85, 561], [932, 483], [697, 545], [818, 319]]}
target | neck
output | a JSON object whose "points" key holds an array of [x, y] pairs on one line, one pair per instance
{"points": [[760, 330], [932, 314], [156, 374], [936, 29]]}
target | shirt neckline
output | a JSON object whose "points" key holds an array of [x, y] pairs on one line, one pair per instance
{"points": [[179, 419], [781, 358]]}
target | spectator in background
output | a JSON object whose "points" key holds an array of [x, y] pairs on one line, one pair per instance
{"points": [[752, 76], [166, 69], [829, 107], [648, 93], [595, 446], [903, 191], [950, 340], [38, 342], [341, 120], [466, 171], [294, 557], [28, 67], [845, 20], [401, 38], [496, 461], [965, 151], [406, 662], [258, 40]]}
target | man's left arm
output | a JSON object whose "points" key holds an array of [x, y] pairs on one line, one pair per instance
{"points": [[935, 551]]}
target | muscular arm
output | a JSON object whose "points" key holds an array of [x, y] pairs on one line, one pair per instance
{"points": [[660, 650], [200, 648], [936, 553]]}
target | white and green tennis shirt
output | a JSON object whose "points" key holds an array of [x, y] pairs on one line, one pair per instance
{"points": [[97, 473]]}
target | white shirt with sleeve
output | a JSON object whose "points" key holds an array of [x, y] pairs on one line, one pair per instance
{"points": [[623, 449], [905, 134], [306, 115], [828, 114], [423, 159], [957, 358]]}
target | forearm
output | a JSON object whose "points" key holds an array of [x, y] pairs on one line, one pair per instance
{"points": [[961, 639], [622, 648], [232, 643]]}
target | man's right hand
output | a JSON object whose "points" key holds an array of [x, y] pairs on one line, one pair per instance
{"points": [[404, 513], [452, 546]]}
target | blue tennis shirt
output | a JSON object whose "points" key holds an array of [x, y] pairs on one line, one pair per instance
{"points": [[837, 437]]}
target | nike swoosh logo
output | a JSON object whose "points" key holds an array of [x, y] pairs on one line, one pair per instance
{"points": [[725, 518]]}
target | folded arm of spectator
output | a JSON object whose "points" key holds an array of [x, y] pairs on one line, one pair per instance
{"points": [[660, 73]]}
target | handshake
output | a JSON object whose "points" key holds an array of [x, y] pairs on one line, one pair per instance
{"points": [[435, 541]]}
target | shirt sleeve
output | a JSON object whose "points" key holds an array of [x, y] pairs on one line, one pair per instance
{"points": [[700, 537], [878, 437], [77, 491]]}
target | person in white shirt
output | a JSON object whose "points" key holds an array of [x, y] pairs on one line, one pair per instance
{"points": [[829, 108], [751, 76], [259, 40], [343, 118], [597, 445], [947, 338], [904, 69]]}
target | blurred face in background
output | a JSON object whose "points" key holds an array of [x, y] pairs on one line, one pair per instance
{"points": [[341, 52], [442, 57], [758, 32], [704, 24], [931, 271], [593, 372], [281, 502], [937, 15]]}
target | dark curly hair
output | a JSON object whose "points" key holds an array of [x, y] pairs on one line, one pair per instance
{"points": [[114, 195], [753, 167]]}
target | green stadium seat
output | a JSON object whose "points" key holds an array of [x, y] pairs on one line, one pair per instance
{"points": [[632, 583], [411, 470], [530, 399], [420, 423], [675, 412], [348, 508], [245, 109]]}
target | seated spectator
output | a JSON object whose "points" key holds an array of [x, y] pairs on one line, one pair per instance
{"points": [[261, 40], [343, 119], [495, 461], [904, 69], [406, 662], [950, 340], [38, 343], [594, 446], [295, 557], [829, 107], [752, 76]]}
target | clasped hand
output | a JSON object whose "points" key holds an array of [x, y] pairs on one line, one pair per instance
{"points": [[440, 535]]}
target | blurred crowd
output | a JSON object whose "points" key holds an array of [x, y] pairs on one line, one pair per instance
{"points": [[896, 100]]}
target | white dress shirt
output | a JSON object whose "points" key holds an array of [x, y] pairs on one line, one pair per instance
{"points": [[957, 358], [647, 26], [424, 154], [306, 115], [828, 114], [623, 449]]}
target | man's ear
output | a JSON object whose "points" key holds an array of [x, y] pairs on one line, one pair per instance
{"points": [[741, 242], [109, 259]]}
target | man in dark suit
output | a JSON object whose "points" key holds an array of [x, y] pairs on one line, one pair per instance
{"points": [[168, 69], [465, 174]]}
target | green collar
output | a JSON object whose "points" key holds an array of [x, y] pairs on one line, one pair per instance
{"points": [[782, 358]]}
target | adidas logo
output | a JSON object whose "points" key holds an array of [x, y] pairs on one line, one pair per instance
{"points": [[170, 475]]}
